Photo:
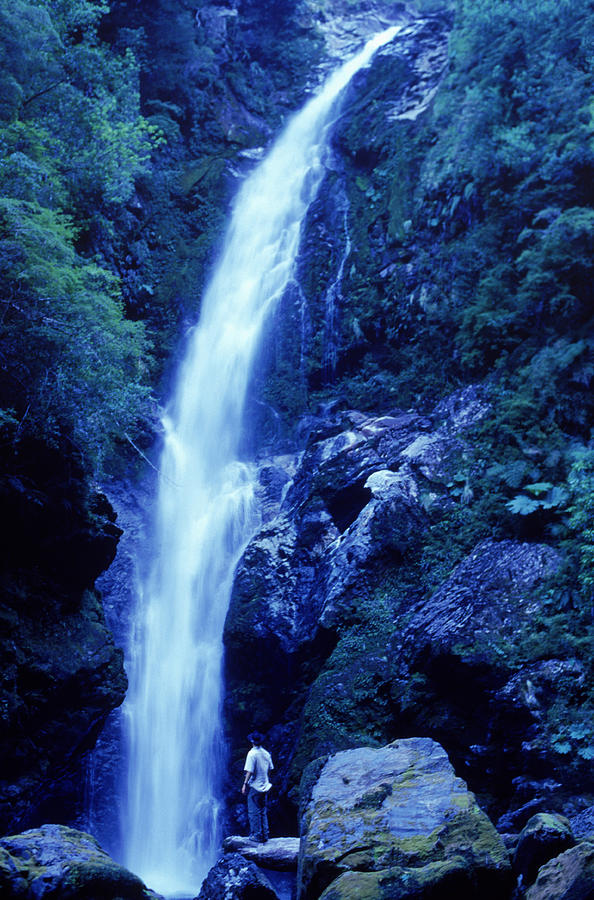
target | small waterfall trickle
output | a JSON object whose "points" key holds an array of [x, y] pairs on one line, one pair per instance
{"points": [[332, 300], [206, 514]]}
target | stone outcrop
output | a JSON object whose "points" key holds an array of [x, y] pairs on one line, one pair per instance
{"points": [[279, 853], [234, 877], [490, 592], [56, 861], [473, 687], [60, 673], [397, 822], [355, 501], [337, 518], [332, 643]]}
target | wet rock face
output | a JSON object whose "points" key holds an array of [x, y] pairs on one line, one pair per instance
{"points": [[491, 589], [56, 861], [396, 822], [60, 673], [235, 878], [569, 876], [468, 687], [344, 511], [353, 230], [329, 646], [350, 508]]}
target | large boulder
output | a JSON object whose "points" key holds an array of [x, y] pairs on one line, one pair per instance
{"points": [[55, 861], [543, 837], [384, 823]]}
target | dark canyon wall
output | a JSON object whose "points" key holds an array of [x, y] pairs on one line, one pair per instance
{"points": [[60, 672]]}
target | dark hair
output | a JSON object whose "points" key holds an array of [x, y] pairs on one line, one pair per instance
{"points": [[256, 738]]}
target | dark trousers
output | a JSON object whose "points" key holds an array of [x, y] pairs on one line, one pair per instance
{"points": [[258, 814]]}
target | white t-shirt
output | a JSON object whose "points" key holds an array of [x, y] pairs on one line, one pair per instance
{"points": [[258, 763]]}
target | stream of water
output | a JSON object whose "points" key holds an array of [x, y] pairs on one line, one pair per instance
{"points": [[206, 513]]}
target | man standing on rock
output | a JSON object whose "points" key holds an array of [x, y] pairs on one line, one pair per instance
{"points": [[258, 764]]}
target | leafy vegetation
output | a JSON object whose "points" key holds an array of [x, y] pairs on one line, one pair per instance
{"points": [[72, 143], [472, 233]]}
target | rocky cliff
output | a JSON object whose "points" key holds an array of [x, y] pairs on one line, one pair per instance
{"points": [[423, 413], [60, 671], [403, 581], [343, 630]]}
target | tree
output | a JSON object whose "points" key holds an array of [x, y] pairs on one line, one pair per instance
{"points": [[72, 141]]}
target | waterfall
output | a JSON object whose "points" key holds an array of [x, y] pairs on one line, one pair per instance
{"points": [[206, 513]]}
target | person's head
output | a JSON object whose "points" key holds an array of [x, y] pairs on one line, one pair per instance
{"points": [[256, 738]]}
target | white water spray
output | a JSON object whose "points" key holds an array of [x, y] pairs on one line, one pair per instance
{"points": [[206, 514]]}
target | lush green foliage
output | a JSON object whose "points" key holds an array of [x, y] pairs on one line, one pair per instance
{"points": [[72, 143], [509, 182], [486, 210]]}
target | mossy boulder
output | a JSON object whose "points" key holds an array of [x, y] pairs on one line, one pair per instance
{"points": [[387, 822], [436, 880], [56, 861], [543, 837]]}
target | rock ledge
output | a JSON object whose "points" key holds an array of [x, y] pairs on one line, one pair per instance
{"points": [[278, 853]]}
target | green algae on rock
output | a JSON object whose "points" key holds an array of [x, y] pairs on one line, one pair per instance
{"points": [[56, 861], [383, 822], [543, 837]]}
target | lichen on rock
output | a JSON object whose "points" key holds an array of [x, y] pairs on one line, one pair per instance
{"points": [[399, 815], [57, 861]]}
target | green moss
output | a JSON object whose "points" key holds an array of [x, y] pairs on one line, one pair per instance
{"points": [[374, 798], [349, 703]]}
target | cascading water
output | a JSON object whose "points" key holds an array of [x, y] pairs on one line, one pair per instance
{"points": [[206, 513], [332, 301]]}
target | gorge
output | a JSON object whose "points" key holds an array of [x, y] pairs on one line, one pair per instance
{"points": [[207, 512], [410, 580]]}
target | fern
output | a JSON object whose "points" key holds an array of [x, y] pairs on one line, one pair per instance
{"points": [[522, 505], [540, 487], [580, 731], [562, 746], [547, 497], [512, 474], [586, 752]]}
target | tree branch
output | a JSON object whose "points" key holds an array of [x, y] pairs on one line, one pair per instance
{"points": [[44, 91]]}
